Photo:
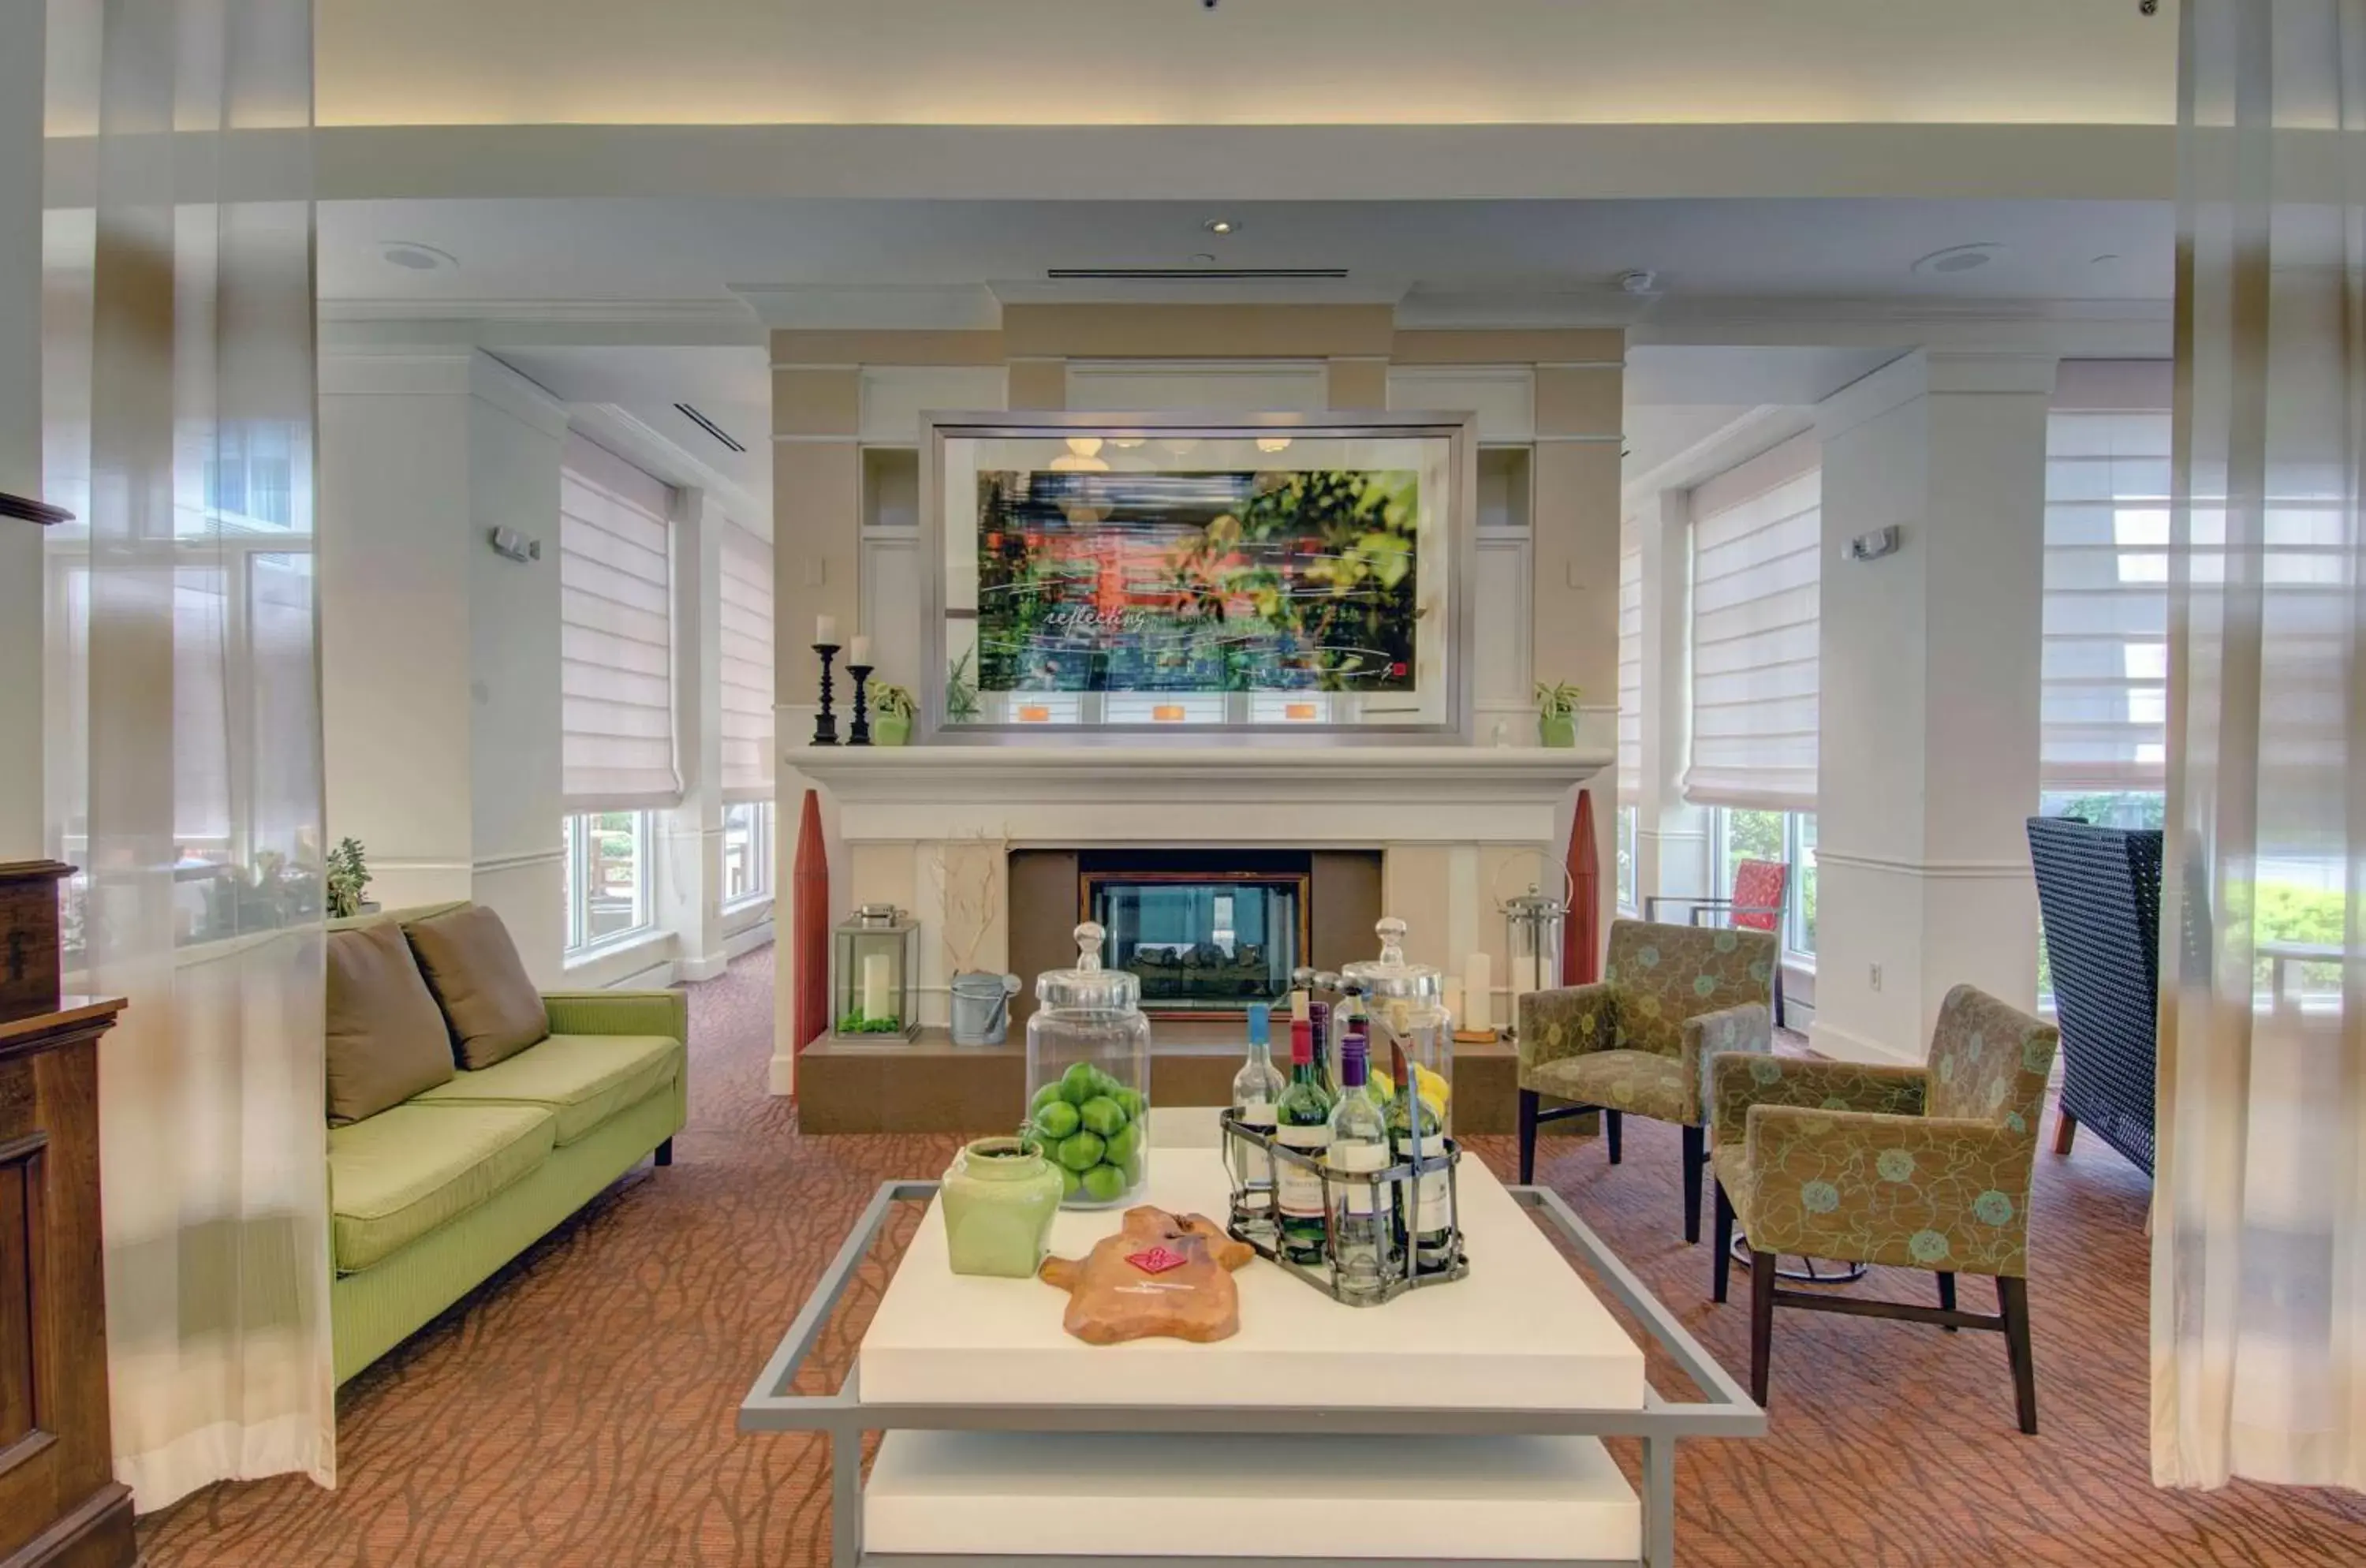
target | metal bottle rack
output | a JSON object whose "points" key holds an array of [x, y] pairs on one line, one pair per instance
{"points": [[1400, 1184]]}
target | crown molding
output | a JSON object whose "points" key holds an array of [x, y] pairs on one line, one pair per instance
{"points": [[809, 307], [543, 323], [630, 436], [1761, 430]]}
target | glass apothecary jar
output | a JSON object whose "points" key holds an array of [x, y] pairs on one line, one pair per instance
{"points": [[1402, 1004], [1088, 1078]]}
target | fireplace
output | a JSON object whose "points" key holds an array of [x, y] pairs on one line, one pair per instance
{"points": [[1209, 933]]}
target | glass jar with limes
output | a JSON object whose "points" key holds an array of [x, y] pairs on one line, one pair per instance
{"points": [[1088, 1078]]}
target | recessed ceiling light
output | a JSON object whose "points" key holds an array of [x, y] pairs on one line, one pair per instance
{"points": [[1222, 226], [416, 258], [1960, 258]]}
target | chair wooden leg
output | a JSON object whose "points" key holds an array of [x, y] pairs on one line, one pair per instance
{"points": [[1778, 994], [1762, 1321], [1528, 1136], [1947, 1298], [2012, 1300], [665, 1153], [2065, 1128], [1611, 1122], [1720, 1267], [1696, 1153]]}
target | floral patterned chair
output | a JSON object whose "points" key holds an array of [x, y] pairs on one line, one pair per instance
{"points": [[1640, 1039], [1913, 1168]]}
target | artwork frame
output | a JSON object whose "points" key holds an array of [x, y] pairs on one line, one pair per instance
{"points": [[1436, 705]]}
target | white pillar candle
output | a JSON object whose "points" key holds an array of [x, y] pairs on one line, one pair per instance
{"points": [[826, 631], [1451, 994], [877, 1002], [1478, 987], [859, 651]]}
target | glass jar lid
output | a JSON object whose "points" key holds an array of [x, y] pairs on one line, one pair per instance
{"points": [[1534, 906], [1389, 976], [1088, 986]]}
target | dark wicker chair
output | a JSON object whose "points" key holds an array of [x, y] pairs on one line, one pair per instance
{"points": [[2099, 889]]}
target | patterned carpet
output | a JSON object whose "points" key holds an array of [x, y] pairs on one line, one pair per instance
{"points": [[576, 1412]]}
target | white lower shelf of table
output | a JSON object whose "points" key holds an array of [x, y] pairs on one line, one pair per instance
{"points": [[1428, 1499]]}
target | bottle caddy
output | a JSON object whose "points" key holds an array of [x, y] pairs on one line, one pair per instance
{"points": [[1361, 1167]]}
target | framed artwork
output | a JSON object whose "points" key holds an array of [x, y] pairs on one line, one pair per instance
{"points": [[1174, 574]]}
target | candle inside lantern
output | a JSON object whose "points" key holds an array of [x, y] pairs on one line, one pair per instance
{"points": [[1477, 988], [878, 978], [826, 631], [1450, 997], [858, 653]]}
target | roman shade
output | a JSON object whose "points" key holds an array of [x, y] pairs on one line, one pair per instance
{"points": [[1631, 663], [2105, 698], [746, 624], [1757, 534], [616, 620]]}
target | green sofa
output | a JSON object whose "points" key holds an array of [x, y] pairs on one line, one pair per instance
{"points": [[429, 1198]]}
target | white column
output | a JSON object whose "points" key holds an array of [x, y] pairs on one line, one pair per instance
{"points": [[692, 884], [22, 63], [439, 658], [1930, 695], [1671, 837]]}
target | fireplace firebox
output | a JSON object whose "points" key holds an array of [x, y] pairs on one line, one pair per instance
{"points": [[1208, 934]]}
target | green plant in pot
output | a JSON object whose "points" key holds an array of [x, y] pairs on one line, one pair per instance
{"points": [[1557, 715], [892, 708], [348, 879], [960, 691]]}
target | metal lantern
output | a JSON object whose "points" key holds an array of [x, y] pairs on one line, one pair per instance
{"points": [[1532, 927], [873, 956]]}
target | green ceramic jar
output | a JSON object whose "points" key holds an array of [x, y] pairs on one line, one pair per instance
{"points": [[998, 1199]]}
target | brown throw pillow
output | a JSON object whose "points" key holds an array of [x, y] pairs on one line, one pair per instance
{"points": [[473, 966], [387, 1040]]}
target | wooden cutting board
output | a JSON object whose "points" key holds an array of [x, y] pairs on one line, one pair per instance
{"points": [[1162, 1275]]}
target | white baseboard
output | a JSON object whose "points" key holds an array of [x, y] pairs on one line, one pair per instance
{"points": [[1841, 1045], [749, 938], [691, 970], [780, 1076]]}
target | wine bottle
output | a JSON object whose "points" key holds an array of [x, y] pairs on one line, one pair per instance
{"points": [[1363, 1249], [1431, 1248], [1255, 1088], [1322, 1015], [1301, 1123]]}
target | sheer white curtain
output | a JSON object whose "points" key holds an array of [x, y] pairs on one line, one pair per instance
{"points": [[2259, 1210], [185, 712], [746, 625]]}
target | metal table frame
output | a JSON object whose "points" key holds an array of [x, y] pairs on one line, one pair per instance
{"points": [[771, 1407]]}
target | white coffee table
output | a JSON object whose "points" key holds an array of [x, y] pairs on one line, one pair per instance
{"points": [[1459, 1423]]}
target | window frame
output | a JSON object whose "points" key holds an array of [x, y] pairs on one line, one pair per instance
{"points": [[580, 857], [760, 853], [1798, 852]]}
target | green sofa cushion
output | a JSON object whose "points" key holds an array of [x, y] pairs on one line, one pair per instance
{"points": [[399, 1174], [582, 1080]]}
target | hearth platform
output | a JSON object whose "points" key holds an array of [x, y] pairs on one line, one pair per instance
{"points": [[930, 1085]]}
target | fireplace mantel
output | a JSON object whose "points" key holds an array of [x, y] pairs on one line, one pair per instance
{"points": [[1186, 795]]}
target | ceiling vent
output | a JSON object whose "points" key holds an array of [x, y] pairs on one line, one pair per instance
{"points": [[709, 426], [1195, 273]]}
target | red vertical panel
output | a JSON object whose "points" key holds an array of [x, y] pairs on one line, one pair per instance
{"points": [[1581, 941], [809, 928]]}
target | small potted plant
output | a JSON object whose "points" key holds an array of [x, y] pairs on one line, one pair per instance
{"points": [[960, 691], [891, 709], [348, 879], [1557, 715]]}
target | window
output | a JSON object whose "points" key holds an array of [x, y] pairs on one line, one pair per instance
{"points": [[1787, 838], [2105, 656], [608, 891], [1628, 900], [1631, 663], [616, 599], [745, 622], [747, 851], [1757, 534]]}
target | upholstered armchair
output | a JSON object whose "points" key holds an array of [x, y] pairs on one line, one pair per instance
{"points": [[1640, 1039], [1912, 1168]]}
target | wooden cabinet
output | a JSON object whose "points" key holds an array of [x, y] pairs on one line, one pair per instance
{"points": [[61, 1505]]}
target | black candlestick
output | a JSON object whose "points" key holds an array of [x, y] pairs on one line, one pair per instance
{"points": [[859, 734], [825, 724]]}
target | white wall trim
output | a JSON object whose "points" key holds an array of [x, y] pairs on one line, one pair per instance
{"points": [[1959, 870], [632, 438], [407, 373], [749, 938], [515, 861], [516, 394], [1760, 429], [962, 307], [1841, 1045]]}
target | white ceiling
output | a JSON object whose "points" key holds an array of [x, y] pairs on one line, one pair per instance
{"points": [[1244, 63], [730, 386], [659, 250]]}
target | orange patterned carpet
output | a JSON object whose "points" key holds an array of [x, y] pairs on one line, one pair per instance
{"points": [[576, 1412]]}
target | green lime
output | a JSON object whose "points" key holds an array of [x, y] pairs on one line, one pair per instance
{"points": [[1070, 1184], [1076, 1083], [1103, 1115], [1105, 1183], [1130, 1102], [1056, 1120], [1103, 1084], [1123, 1145], [1081, 1151], [1044, 1096]]}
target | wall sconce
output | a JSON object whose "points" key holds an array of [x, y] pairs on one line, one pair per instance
{"points": [[1873, 546], [510, 545]]}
